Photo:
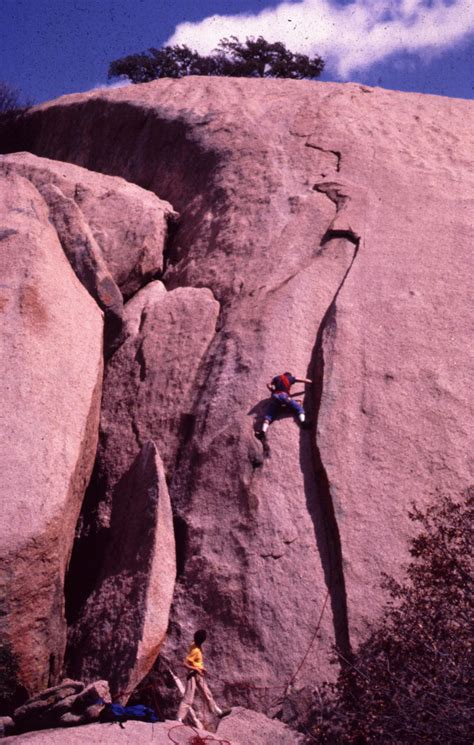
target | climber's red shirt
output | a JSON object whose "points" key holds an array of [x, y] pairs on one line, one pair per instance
{"points": [[282, 383]]}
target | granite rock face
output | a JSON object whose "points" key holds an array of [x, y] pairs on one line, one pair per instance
{"points": [[122, 627], [51, 351], [331, 223]]}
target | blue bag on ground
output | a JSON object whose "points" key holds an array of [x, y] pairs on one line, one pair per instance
{"points": [[137, 712]]}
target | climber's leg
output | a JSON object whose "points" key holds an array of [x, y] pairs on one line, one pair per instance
{"points": [[208, 697], [270, 414], [188, 696], [296, 407]]}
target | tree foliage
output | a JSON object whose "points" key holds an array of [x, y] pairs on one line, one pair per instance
{"points": [[232, 58], [410, 681]]}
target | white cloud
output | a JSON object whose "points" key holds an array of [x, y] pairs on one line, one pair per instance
{"points": [[101, 86], [348, 37], [115, 84]]}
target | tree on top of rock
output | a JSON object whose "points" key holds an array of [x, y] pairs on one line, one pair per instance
{"points": [[259, 58], [254, 58]]}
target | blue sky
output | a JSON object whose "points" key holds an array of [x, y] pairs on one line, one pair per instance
{"points": [[51, 47]]}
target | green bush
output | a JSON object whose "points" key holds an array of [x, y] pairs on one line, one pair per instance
{"points": [[410, 683]]}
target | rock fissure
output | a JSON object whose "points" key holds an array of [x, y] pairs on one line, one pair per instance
{"points": [[181, 530], [168, 247], [141, 361], [330, 542], [136, 432], [189, 418]]}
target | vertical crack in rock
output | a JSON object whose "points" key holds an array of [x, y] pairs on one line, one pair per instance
{"points": [[181, 529], [89, 549], [136, 432], [168, 248], [317, 483], [188, 419], [140, 359]]}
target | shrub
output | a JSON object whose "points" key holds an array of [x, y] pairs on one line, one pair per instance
{"points": [[410, 681]]}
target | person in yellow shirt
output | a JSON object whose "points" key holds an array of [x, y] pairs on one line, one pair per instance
{"points": [[194, 663]]}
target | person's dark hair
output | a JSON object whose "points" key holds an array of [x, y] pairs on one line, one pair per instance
{"points": [[200, 637]]}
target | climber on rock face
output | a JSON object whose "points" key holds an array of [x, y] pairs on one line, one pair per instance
{"points": [[280, 387], [194, 663]]}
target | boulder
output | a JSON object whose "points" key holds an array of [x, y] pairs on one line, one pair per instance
{"points": [[51, 350], [125, 226], [70, 702], [151, 381], [91, 693], [138, 304], [83, 252], [41, 705], [331, 222], [150, 385], [120, 631], [7, 727], [132, 733], [244, 726]]}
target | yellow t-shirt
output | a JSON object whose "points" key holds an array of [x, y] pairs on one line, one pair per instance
{"points": [[195, 658]]}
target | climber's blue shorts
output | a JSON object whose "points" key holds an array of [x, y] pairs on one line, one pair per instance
{"points": [[277, 402]]}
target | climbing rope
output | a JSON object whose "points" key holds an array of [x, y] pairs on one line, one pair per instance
{"points": [[283, 687], [185, 731], [293, 678], [264, 690]]}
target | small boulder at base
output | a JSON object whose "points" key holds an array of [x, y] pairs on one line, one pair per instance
{"points": [[247, 727], [7, 727], [35, 708], [70, 702]]}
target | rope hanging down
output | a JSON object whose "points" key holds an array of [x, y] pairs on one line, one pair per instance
{"points": [[285, 686], [181, 730]]}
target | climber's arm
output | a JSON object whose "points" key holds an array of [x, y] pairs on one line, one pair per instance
{"points": [[199, 670]]}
